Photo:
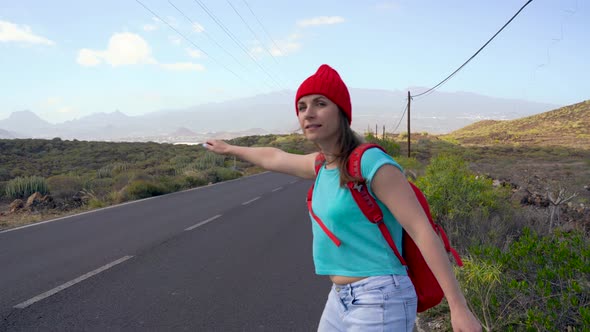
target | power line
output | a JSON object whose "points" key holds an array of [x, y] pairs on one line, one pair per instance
{"points": [[476, 53], [232, 37], [207, 35], [188, 40], [249, 28], [263, 28], [400, 119]]}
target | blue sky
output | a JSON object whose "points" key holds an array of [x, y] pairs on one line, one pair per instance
{"points": [[67, 59]]}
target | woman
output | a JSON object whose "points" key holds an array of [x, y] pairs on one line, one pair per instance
{"points": [[371, 290]]}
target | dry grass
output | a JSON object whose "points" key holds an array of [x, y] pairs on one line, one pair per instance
{"points": [[19, 219], [566, 127]]}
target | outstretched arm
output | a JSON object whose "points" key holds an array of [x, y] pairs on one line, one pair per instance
{"points": [[391, 187], [271, 159]]}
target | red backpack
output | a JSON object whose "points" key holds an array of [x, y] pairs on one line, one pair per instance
{"points": [[427, 287]]}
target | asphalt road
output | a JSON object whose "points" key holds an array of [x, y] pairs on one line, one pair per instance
{"points": [[234, 256]]}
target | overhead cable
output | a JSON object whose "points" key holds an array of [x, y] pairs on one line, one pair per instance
{"points": [[474, 55]]}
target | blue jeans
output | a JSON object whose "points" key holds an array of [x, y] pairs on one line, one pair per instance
{"points": [[382, 303]]}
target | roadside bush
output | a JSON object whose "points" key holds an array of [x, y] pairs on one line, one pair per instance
{"points": [[23, 187], [390, 146], [220, 174], [224, 174], [541, 283], [194, 180], [461, 201], [112, 169], [143, 189], [64, 186], [101, 186], [121, 180]]}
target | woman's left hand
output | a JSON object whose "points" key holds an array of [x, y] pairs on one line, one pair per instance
{"points": [[463, 320]]}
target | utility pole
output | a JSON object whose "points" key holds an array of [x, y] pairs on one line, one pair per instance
{"points": [[409, 98]]}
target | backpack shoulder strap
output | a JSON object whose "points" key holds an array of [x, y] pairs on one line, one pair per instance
{"points": [[354, 161], [437, 228], [320, 159], [363, 198], [319, 162]]}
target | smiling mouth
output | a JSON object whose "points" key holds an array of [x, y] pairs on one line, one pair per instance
{"points": [[312, 126]]}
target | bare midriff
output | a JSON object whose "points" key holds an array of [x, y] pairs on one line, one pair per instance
{"points": [[342, 280]]}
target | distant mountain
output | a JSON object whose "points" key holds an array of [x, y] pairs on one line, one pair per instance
{"points": [[567, 126], [100, 119], [183, 132], [27, 120], [438, 112], [5, 134]]}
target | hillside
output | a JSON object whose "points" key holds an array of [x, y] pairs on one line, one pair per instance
{"points": [[568, 126]]}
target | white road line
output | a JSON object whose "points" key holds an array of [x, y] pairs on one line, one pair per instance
{"points": [[70, 283], [292, 182], [277, 189], [250, 201], [202, 223]]}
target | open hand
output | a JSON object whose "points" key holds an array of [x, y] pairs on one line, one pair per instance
{"points": [[463, 320], [217, 146]]}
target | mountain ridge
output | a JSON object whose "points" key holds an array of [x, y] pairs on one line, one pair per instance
{"points": [[567, 126], [439, 112]]}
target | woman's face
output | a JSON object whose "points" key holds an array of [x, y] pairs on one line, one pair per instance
{"points": [[319, 119]]}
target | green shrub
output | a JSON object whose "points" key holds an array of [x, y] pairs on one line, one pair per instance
{"points": [[95, 203], [112, 169], [390, 146], [408, 163], [144, 189], [100, 186], [64, 186], [23, 187], [453, 191], [225, 174], [468, 207], [194, 180], [543, 284]]}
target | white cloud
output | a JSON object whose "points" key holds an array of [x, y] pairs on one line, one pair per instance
{"points": [[320, 20], [281, 48], [174, 40], [10, 32], [257, 50], [198, 28], [150, 27], [89, 58], [123, 49], [183, 66], [288, 46], [285, 48], [195, 53], [52, 101]]}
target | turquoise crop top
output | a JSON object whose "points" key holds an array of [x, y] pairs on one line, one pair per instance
{"points": [[364, 251]]}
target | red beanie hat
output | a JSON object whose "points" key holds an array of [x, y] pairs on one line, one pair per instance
{"points": [[327, 82]]}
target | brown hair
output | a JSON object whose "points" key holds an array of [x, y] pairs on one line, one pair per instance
{"points": [[347, 142]]}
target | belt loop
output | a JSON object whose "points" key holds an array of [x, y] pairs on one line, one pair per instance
{"points": [[395, 280]]}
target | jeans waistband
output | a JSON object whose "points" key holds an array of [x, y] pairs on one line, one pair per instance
{"points": [[369, 283]]}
